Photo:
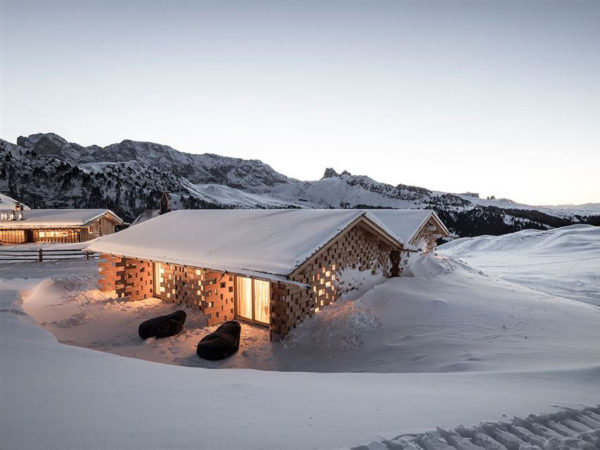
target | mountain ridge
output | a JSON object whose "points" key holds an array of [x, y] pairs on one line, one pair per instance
{"points": [[46, 170]]}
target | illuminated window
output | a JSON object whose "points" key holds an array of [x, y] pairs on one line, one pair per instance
{"points": [[253, 298]]}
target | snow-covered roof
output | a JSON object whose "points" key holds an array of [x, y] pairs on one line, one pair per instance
{"points": [[7, 202], [272, 241], [58, 218], [405, 223], [146, 214]]}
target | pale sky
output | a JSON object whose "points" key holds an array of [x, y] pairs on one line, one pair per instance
{"points": [[500, 98]]}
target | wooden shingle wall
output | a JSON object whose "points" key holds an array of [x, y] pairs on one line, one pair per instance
{"points": [[219, 292], [428, 235], [110, 272], [209, 291], [290, 304], [9, 237], [128, 277], [63, 235], [357, 249], [181, 285], [137, 279]]}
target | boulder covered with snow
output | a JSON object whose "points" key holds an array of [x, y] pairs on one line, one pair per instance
{"points": [[163, 326], [222, 343]]}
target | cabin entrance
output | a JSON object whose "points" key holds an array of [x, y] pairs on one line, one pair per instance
{"points": [[252, 300]]}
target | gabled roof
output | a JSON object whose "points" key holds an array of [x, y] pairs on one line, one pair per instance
{"points": [[238, 241], [58, 218], [406, 223], [7, 202]]}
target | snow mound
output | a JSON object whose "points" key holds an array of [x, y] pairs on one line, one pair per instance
{"points": [[343, 325], [357, 281], [426, 266], [574, 238], [562, 261]]}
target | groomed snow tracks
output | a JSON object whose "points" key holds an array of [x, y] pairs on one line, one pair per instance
{"points": [[567, 429]]}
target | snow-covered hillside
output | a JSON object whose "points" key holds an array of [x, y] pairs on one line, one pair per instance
{"points": [[563, 261], [130, 176]]}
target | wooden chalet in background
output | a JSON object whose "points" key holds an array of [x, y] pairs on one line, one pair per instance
{"points": [[21, 226]]}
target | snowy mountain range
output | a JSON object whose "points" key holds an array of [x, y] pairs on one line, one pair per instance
{"points": [[45, 170]]}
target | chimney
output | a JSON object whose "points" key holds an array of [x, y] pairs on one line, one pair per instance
{"points": [[164, 203], [18, 212]]}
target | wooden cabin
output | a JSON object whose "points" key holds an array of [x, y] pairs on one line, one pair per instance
{"points": [[21, 226], [269, 267], [418, 227]]}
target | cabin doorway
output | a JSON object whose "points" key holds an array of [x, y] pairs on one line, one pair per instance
{"points": [[252, 300]]}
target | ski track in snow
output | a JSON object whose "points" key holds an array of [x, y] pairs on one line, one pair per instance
{"points": [[567, 429]]}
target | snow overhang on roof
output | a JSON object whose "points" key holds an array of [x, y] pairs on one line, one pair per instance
{"points": [[7, 202], [266, 243], [58, 218]]}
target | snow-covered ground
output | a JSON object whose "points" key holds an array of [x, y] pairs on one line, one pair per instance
{"points": [[451, 343], [563, 261]]}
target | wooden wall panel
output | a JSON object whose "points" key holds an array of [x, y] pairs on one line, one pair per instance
{"points": [[219, 292], [128, 277], [357, 249], [11, 237], [182, 285], [137, 279], [428, 235], [109, 273], [61, 235], [212, 292]]}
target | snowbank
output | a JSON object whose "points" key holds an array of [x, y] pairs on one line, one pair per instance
{"points": [[446, 317], [62, 397], [562, 261]]}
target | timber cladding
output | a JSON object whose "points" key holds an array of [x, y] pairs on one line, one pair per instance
{"points": [[8, 237], [209, 291], [428, 234], [128, 277], [357, 248], [45, 235]]}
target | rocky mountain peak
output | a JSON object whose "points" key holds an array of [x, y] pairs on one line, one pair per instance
{"points": [[45, 138], [330, 173]]}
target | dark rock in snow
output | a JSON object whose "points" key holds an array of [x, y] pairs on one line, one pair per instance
{"points": [[330, 173], [222, 343], [163, 326]]}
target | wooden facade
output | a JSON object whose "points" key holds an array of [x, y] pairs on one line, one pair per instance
{"points": [[313, 285], [427, 235]]}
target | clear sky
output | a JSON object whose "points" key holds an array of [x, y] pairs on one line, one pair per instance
{"points": [[500, 98]]}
